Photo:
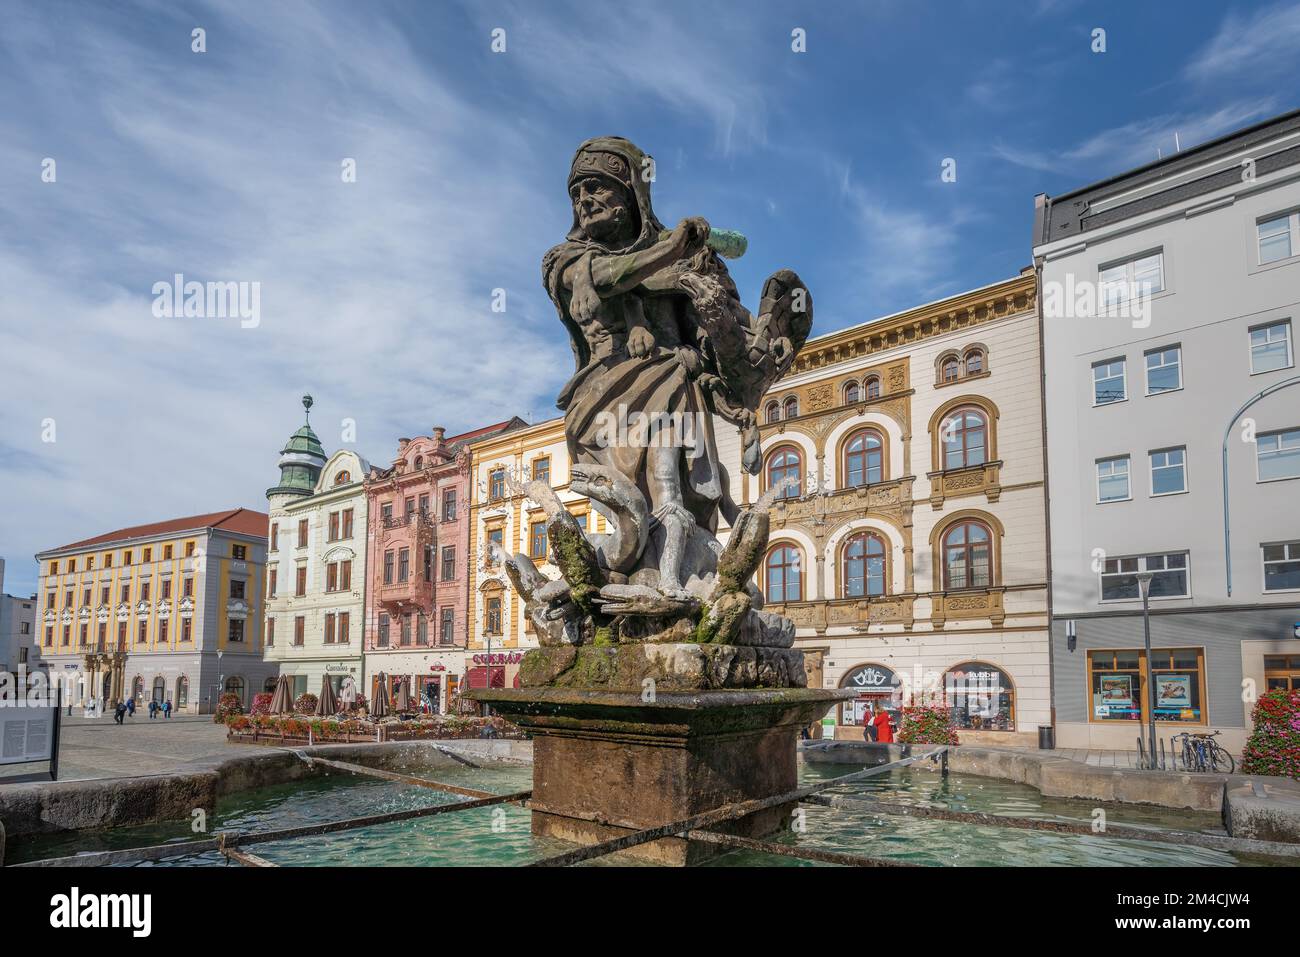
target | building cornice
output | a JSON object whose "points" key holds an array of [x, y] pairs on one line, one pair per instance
{"points": [[963, 311]]}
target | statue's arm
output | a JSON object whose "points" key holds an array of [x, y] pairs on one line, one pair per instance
{"points": [[613, 275]]}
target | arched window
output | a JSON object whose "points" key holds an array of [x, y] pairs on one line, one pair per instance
{"points": [[790, 408], [342, 477], [864, 459], [137, 688], [773, 413], [159, 689], [419, 462], [785, 463], [183, 691], [267, 685], [864, 565], [949, 370], [980, 697], [967, 556], [873, 387], [965, 438], [974, 361], [852, 393], [235, 685], [782, 579]]}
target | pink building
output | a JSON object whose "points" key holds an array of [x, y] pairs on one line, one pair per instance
{"points": [[417, 560]]}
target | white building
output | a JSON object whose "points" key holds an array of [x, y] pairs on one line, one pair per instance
{"points": [[316, 565], [1171, 296]]}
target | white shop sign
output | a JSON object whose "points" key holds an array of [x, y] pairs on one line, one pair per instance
{"points": [[29, 734]]}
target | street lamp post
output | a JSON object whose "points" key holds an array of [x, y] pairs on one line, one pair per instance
{"points": [[1144, 586]]}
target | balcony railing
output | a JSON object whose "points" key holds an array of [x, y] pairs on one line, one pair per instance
{"points": [[418, 516]]}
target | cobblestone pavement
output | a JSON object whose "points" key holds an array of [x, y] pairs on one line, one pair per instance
{"points": [[99, 748]]}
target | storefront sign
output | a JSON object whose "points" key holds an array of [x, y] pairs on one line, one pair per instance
{"points": [[340, 668], [513, 658], [437, 666], [871, 678]]}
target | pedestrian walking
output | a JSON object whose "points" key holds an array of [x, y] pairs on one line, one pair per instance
{"points": [[884, 727], [167, 708], [130, 707], [153, 709], [119, 712]]}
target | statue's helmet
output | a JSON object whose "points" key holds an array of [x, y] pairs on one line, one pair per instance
{"points": [[619, 161]]}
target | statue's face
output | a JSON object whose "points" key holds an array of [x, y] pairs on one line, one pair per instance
{"points": [[603, 208]]}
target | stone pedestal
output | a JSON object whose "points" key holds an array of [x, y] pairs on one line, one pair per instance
{"points": [[606, 763]]}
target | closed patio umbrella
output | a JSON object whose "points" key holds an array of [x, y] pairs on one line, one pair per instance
{"points": [[328, 702], [282, 700], [379, 707], [403, 702]]}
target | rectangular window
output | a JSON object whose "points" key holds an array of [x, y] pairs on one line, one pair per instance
{"points": [[406, 630], [345, 575], [542, 470], [1169, 577], [103, 596], [238, 552], [299, 630], [121, 635], [270, 632], [187, 629], [408, 506], [421, 630], [1279, 238], [302, 533], [187, 587], [1132, 279], [72, 563], [332, 576], [497, 484], [1169, 471], [329, 627], [167, 553], [345, 627], [126, 594], [85, 633], [383, 631], [148, 555], [90, 562], [270, 583], [49, 599], [67, 635], [108, 560], [126, 557], [581, 519], [427, 557], [537, 540], [144, 591], [449, 505], [1112, 480], [334, 527], [388, 567], [1277, 455], [494, 537], [275, 536], [1282, 672], [142, 636], [445, 628], [67, 598], [237, 588], [1270, 347], [49, 636], [236, 632], [300, 581], [167, 588], [1164, 370], [449, 563], [424, 504], [1119, 690], [1108, 382], [54, 568], [189, 549], [1282, 566], [162, 631], [492, 623], [85, 597], [347, 523], [404, 565]]}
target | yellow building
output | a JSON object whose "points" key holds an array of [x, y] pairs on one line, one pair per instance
{"points": [[500, 514], [170, 611], [912, 553]]}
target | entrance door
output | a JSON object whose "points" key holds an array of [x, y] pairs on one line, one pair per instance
{"points": [[107, 690], [430, 695], [159, 689]]}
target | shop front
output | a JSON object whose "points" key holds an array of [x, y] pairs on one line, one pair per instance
{"points": [[876, 688], [433, 677], [497, 670]]}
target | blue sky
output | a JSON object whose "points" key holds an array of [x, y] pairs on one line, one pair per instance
{"points": [[376, 295]]}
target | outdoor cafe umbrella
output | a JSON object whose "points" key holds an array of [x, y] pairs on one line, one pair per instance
{"points": [[282, 700], [328, 702], [379, 707], [403, 701]]}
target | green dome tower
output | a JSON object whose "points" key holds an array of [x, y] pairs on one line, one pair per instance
{"points": [[301, 461]]}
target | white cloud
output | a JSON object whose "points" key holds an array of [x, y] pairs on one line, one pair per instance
{"points": [[1262, 44]]}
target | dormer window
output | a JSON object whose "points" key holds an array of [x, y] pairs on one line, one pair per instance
{"points": [[419, 462], [342, 477]]}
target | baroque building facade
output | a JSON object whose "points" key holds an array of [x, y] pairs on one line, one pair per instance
{"points": [[170, 611], [908, 538], [418, 544], [316, 565], [504, 519]]}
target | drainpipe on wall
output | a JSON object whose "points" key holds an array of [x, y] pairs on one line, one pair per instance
{"points": [[1047, 497]]}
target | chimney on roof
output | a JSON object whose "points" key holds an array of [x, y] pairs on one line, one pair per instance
{"points": [[439, 433]]}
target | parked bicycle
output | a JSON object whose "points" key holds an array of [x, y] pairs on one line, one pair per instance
{"points": [[1200, 752]]}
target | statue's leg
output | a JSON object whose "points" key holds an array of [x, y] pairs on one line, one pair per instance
{"points": [[666, 495]]}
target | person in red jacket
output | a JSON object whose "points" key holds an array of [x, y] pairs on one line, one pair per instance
{"points": [[884, 731]]}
